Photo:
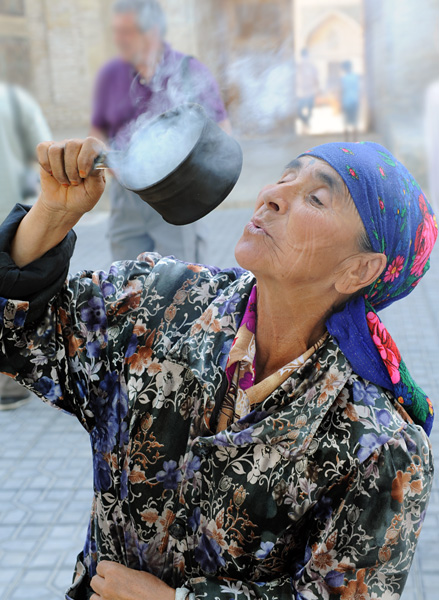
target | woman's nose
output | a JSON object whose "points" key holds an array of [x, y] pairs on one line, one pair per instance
{"points": [[273, 199]]}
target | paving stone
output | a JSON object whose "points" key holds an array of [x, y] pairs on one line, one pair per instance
{"points": [[31, 532], [36, 576], [16, 517], [62, 579], [23, 592], [7, 532], [6, 577]]}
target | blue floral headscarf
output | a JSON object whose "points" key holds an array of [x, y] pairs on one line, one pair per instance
{"points": [[400, 224]]}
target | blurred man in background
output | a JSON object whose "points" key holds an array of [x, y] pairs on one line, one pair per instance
{"points": [[22, 128], [350, 100], [307, 87], [148, 78]]}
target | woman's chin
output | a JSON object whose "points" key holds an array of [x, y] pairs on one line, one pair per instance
{"points": [[246, 254]]}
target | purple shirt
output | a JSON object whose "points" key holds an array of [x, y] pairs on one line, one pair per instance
{"points": [[121, 96]]}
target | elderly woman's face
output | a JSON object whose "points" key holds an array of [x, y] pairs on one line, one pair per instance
{"points": [[305, 227]]}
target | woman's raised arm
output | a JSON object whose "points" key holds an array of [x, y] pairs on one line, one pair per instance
{"points": [[69, 188]]}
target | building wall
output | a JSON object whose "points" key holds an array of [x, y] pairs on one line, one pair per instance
{"points": [[402, 60]]}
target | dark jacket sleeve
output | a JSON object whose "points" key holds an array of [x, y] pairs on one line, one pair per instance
{"points": [[38, 282]]}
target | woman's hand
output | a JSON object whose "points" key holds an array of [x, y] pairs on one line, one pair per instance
{"points": [[69, 186], [116, 582]]}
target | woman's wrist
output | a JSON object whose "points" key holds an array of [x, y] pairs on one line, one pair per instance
{"points": [[39, 231]]}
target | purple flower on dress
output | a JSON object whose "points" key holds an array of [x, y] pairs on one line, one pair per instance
{"points": [[124, 484], [132, 346], [170, 476], [49, 389], [369, 442], [94, 315], [264, 550], [20, 318], [110, 407], [101, 473], [243, 437], [221, 439], [299, 566], [246, 382], [384, 417], [3, 304], [367, 394], [229, 306], [107, 289], [208, 555], [194, 519], [411, 445], [224, 354], [334, 579], [193, 466], [255, 416], [323, 509], [93, 349]]}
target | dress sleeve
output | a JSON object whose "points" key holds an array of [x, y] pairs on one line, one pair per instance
{"points": [[37, 283], [366, 536], [74, 355]]}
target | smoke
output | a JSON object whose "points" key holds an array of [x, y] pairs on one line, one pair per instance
{"points": [[153, 147], [264, 86], [156, 147]]}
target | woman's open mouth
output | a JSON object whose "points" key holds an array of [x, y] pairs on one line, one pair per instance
{"points": [[254, 228]]}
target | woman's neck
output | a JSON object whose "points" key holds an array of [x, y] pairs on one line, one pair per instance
{"points": [[287, 325]]}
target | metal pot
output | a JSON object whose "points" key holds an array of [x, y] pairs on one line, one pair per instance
{"points": [[201, 180]]}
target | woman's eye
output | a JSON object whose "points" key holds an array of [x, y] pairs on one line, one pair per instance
{"points": [[316, 201]]}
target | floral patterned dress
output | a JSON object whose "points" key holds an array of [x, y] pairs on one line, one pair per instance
{"points": [[319, 492]]}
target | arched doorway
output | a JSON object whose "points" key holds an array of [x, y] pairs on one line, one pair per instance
{"points": [[332, 38]]}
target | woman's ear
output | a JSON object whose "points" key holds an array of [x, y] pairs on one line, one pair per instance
{"points": [[359, 272]]}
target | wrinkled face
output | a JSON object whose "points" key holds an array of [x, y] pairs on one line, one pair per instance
{"points": [[304, 229], [134, 46]]}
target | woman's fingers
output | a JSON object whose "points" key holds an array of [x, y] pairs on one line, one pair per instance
{"points": [[96, 584], [56, 162], [69, 161], [72, 148], [90, 150], [43, 155]]}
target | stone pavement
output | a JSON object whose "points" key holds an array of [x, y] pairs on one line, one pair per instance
{"points": [[45, 460]]}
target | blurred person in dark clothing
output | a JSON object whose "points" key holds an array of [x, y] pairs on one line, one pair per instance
{"points": [[148, 78], [22, 127], [350, 100]]}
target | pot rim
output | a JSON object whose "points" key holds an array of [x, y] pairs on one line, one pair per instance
{"points": [[203, 114]]}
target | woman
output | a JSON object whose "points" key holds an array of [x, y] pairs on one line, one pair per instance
{"points": [[254, 435]]}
